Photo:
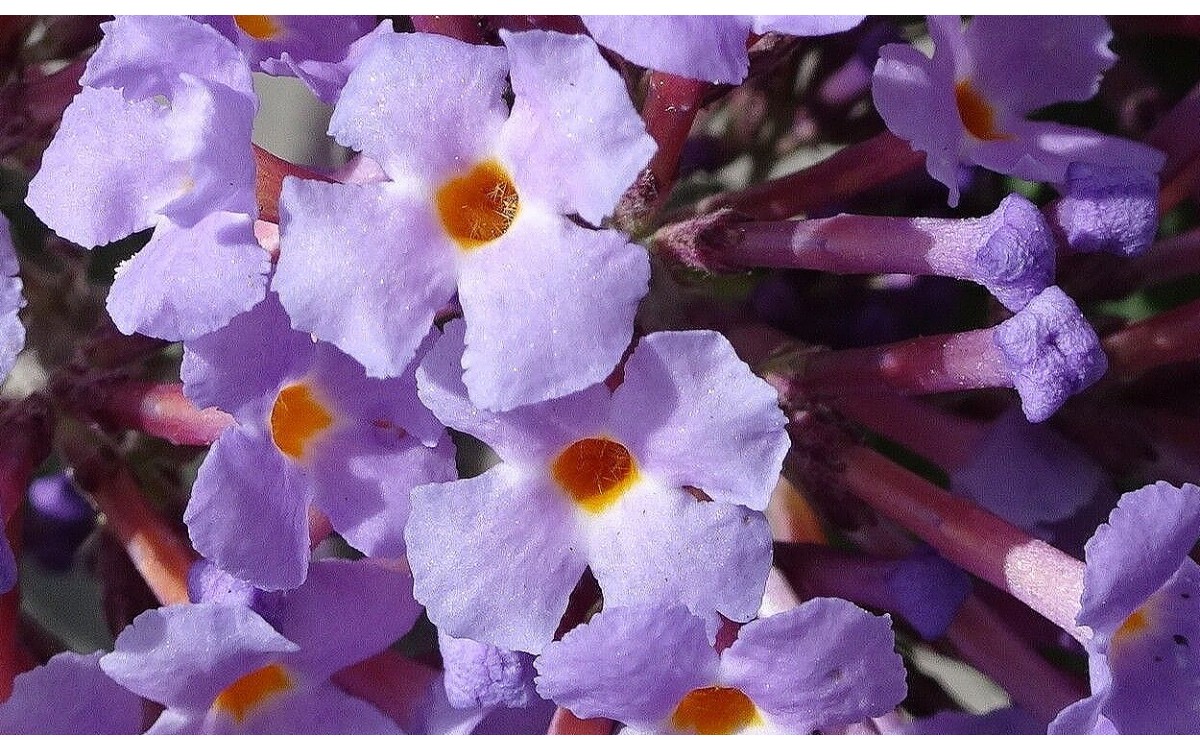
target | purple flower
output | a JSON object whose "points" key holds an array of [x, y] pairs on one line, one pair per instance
{"points": [[12, 333], [706, 48], [160, 137], [967, 105], [319, 50], [478, 201], [57, 521], [220, 667], [485, 676], [1108, 209], [312, 430], [70, 695], [602, 480], [1141, 598], [825, 662]]}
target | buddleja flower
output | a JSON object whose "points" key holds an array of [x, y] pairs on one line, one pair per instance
{"points": [[610, 481], [1141, 598], [968, 104], [706, 48], [12, 333], [70, 695], [160, 137], [222, 667], [319, 50], [479, 200], [823, 663], [312, 431]]}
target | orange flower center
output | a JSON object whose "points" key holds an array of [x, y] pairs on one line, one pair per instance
{"points": [[263, 28], [478, 206], [297, 418], [250, 691], [714, 710], [977, 115], [594, 472]]}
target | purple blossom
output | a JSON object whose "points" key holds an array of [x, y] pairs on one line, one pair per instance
{"points": [[823, 663], [312, 431], [601, 480], [968, 104], [478, 201], [706, 48], [1141, 599], [219, 667], [160, 137], [70, 695]]}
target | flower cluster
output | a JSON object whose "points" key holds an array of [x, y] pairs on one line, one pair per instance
{"points": [[612, 374]]}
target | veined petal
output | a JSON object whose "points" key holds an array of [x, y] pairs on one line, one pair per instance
{"points": [[705, 48]]}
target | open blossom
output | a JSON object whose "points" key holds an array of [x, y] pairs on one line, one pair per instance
{"points": [[221, 667], [968, 104], [160, 137], [478, 200], [706, 48], [823, 663], [312, 431], [1141, 599], [70, 694], [601, 480]]}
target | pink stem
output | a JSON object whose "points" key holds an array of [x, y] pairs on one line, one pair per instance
{"points": [[1049, 581], [158, 409], [944, 438], [463, 28], [1172, 336]]}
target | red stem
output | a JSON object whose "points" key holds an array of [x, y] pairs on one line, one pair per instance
{"points": [[463, 28], [1172, 336]]}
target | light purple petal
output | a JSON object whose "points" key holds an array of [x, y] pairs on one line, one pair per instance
{"points": [[236, 367], [574, 138], [145, 55], [826, 662], [1148, 535], [688, 406], [495, 557], [549, 309], [530, 434], [805, 25], [327, 78], [705, 48], [1022, 63], [362, 479], [184, 655], [70, 695], [1045, 151], [629, 664], [915, 97], [188, 281], [345, 612], [105, 175], [364, 267], [423, 104], [660, 545], [249, 510], [479, 675]]}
